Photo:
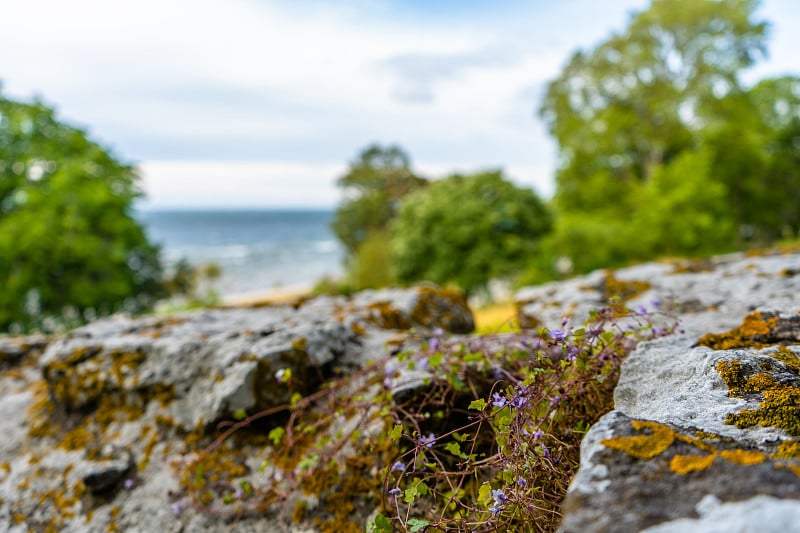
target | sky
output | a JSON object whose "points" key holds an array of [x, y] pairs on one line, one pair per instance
{"points": [[259, 103]]}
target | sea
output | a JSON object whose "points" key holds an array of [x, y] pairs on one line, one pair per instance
{"points": [[258, 250]]}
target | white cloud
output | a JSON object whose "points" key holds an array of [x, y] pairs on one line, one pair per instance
{"points": [[307, 82], [240, 183]]}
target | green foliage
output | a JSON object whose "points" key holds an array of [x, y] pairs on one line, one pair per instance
{"points": [[684, 186], [69, 247], [373, 186], [370, 266], [467, 230], [663, 151], [489, 442]]}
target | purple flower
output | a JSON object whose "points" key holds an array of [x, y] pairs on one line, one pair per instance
{"points": [[428, 441], [395, 491], [538, 434], [521, 481], [238, 493], [564, 321], [546, 451], [519, 401], [399, 466], [129, 483], [496, 510], [572, 353], [498, 400], [641, 310], [499, 497], [655, 302], [558, 335], [433, 344], [177, 507]]}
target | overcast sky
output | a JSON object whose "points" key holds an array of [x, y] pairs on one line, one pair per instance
{"points": [[262, 103]]}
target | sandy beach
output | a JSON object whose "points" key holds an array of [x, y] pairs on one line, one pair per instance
{"points": [[280, 295]]}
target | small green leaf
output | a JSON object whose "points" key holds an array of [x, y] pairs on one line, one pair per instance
{"points": [[478, 405], [276, 435], [455, 449], [239, 414], [475, 357], [381, 524], [485, 492], [396, 432], [435, 360], [416, 524]]}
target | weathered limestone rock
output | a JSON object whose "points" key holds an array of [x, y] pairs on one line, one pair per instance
{"points": [[101, 424], [727, 287], [700, 436], [723, 401]]}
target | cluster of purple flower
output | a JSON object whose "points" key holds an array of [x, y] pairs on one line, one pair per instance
{"points": [[499, 499], [428, 441]]}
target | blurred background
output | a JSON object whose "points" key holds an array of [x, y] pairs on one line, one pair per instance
{"points": [[207, 152]]}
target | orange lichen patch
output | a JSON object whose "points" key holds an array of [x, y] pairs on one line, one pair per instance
{"points": [[660, 438], [40, 412], [787, 357], [743, 457], [753, 325], [442, 307], [383, 315], [147, 452], [76, 439], [358, 329], [299, 344], [693, 266], [625, 290], [788, 449], [684, 464], [789, 466], [51, 507], [700, 444], [779, 407]]}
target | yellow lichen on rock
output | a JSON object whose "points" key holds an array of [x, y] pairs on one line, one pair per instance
{"points": [[789, 466], [657, 442], [625, 290], [743, 457], [685, 464], [787, 357], [753, 325], [788, 449], [779, 407]]}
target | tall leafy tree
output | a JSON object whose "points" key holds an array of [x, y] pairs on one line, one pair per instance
{"points": [[637, 100], [69, 247], [467, 230], [663, 149], [374, 185]]}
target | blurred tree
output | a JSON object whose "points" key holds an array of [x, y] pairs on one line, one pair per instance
{"points": [[636, 100], [655, 128], [467, 230], [69, 248], [373, 186]]}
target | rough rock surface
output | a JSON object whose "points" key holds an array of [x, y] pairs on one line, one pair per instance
{"points": [[706, 431], [98, 426]]}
